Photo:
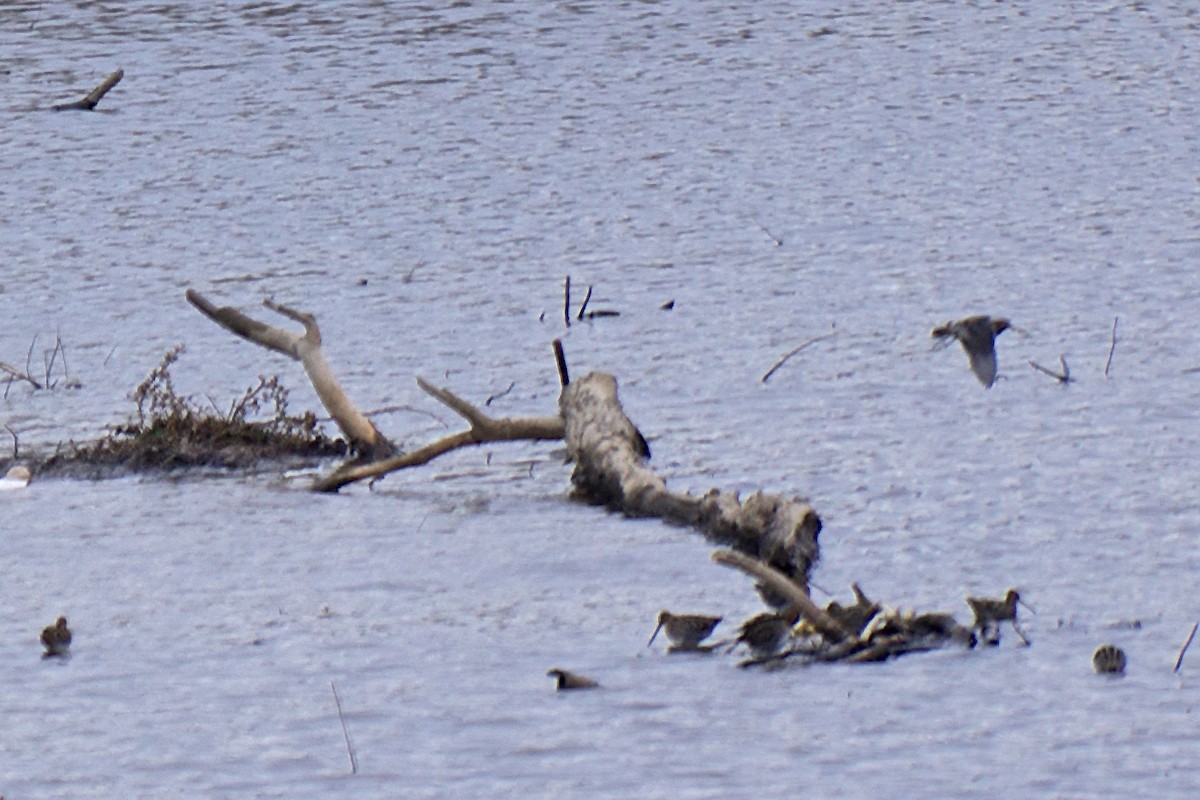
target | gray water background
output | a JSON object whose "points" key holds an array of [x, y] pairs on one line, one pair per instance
{"points": [[422, 177]]}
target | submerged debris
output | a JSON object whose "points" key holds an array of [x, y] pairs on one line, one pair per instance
{"points": [[173, 431], [1108, 659]]}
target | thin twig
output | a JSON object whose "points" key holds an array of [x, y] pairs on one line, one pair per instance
{"points": [[29, 359], [16, 443], [1186, 645], [1061, 377], [498, 395], [586, 298], [567, 301], [793, 352], [48, 360], [778, 242], [1111, 348], [62, 349], [345, 731], [379, 412]]}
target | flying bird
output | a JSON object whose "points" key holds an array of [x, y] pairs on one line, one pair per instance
{"points": [[978, 338]]}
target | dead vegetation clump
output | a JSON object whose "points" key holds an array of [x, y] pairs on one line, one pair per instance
{"points": [[174, 431]]}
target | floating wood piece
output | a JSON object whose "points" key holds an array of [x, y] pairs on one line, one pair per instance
{"points": [[89, 101], [305, 348]]}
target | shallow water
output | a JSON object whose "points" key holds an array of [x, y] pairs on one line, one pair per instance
{"points": [[422, 178]]}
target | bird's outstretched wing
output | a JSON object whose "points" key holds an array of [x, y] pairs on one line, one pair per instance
{"points": [[983, 364]]}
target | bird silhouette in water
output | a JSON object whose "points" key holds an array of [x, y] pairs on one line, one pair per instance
{"points": [[978, 338], [766, 633], [569, 680], [990, 613], [685, 631], [56, 638], [1109, 659]]}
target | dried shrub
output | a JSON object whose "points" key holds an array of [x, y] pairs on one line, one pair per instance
{"points": [[173, 430]]}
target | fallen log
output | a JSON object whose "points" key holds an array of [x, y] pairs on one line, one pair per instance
{"points": [[610, 469]]}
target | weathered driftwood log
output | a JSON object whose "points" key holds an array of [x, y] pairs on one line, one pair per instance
{"points": [[610, 468], [362, 434], [794, 596], [483, 429], [89, 101]]}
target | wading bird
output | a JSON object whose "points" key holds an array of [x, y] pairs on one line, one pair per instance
{"points": [[685, 631]]}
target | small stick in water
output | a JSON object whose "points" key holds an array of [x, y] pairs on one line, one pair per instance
{"points": [[793, 352], [560, 360], [345, 731], [1112, 347], [1186, 645], [567, 301], [586, 298], [92, 98]]}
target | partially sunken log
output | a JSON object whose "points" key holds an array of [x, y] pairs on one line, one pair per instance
{"points": [[610, 469], [362, 434], [89, 101]]}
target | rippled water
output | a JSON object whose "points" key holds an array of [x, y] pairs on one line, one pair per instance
{"points": [[422, 177]]}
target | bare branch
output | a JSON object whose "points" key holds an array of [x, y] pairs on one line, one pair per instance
{"points": [[483, 428], [1061, 377], [307, 350], [1111, 348], [89, 101], [793, 594], [793, 352]]}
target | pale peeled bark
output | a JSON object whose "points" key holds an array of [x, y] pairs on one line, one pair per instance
{"points": [[305, 348], [610, 469]]}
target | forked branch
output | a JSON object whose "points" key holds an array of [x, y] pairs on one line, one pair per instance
{"points": [[483, 428], [305, 348]]}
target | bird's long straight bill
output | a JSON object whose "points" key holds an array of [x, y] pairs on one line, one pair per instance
{"points": [[656, 630]]}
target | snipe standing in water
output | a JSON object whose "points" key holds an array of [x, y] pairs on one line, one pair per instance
{"points": [[685, 631], [569, 680], [990, 613], [978, 338], [1109, 659], [766, 633], [56, 638]]}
